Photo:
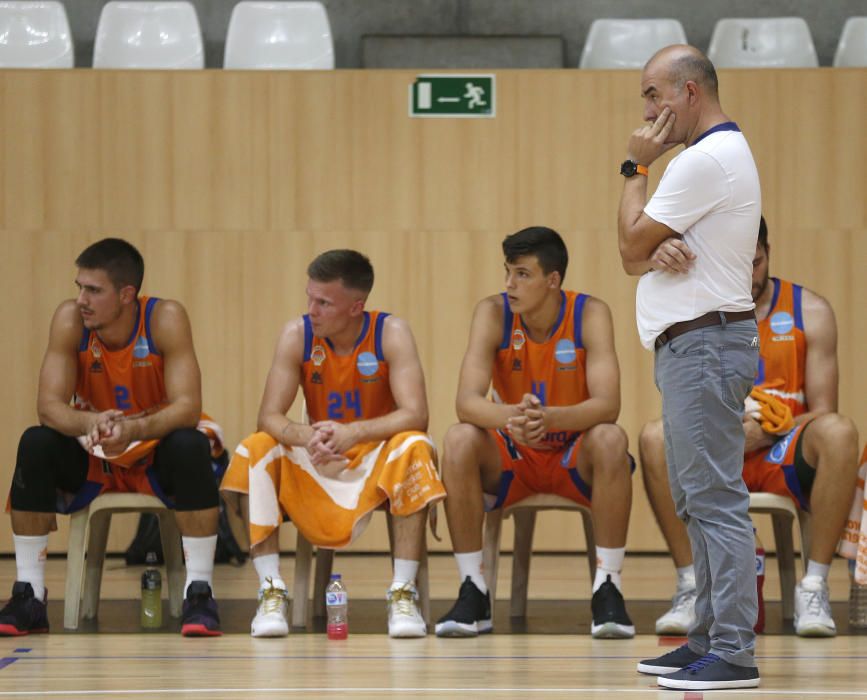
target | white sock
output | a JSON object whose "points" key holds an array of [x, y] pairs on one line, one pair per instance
{"points": [[470, 564], [268, 566], [817, 570], [199, 555], [30, 554], [405, 571], [609, 562], [685, 577]]}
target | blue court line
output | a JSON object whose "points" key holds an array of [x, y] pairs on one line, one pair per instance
{"points": [[8, 660], [22, 651]]}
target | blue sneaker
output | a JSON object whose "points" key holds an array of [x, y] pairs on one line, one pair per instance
{"points": [[670, 662], [24, 613], [711, 672], [200, 617]]}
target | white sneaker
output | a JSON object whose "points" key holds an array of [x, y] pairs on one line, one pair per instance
{"points": [[272, 615], [680, 617], [813, 609], [404, 618]]}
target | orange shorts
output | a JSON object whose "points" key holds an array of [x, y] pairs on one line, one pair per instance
{"points": [[527, 471], [773, 469]]}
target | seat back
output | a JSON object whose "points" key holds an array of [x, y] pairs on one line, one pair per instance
{"points": [[763, 42], [148, 35], [628, 43], [279, 35], [852, 47], [35, 35]]}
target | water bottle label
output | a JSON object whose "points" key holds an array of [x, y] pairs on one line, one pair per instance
{"points": [[760, 564], [336, 598]]}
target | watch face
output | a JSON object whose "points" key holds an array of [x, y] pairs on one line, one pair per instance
{"points": [[628, 168]]}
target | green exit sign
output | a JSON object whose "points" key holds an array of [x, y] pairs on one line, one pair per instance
{"points": [[453, 96]]}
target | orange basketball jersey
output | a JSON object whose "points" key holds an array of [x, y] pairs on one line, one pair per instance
{"points": [[350, 387], [553, 370], [783, 347], [129, 379]]}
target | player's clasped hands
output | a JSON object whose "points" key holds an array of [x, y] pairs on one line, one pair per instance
{"points": [[327, 446], [102, 428], [528, 428]]}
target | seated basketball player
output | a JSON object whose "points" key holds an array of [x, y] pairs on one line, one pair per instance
{"points": [[119, 402], [549, 355], [364, 390], [814, 463]]}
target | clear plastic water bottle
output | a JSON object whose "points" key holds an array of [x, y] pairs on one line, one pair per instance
{"points": [[857, 600], [337, 607], [151, 595]]}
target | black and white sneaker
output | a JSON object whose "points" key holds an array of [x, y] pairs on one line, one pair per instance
{"points": [[470, 615], [711, 672], [669, 663], [610, 620]]}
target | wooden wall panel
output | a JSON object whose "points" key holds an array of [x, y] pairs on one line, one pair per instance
{"points": [[231, 182]]}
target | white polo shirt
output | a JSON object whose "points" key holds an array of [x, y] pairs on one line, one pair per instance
{"points": [[710, 194]]}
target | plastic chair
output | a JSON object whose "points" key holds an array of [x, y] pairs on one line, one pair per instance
{"points": [[35, 35], [773, 42], [279, 35], [524, 514], [852, 48], [783, 514], [628, 43], [83, 583], [148, 35]]}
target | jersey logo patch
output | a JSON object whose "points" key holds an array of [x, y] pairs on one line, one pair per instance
{"points": [[782, 322], [141, 350], [564, 352], [95, 349], [518, 339], [367, 364], [317, 354]]}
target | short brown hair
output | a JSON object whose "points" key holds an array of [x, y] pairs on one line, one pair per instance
{"points": [[349, 266]]}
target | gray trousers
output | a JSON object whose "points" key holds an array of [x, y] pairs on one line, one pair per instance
{"points": [[704, 377]]}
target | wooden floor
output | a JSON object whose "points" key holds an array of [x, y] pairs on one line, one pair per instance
{"points": [[370, 665]]}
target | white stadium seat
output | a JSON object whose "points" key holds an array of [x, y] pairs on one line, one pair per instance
{"points": [[148, 35], [628, 43], [279, 35], [769, 42], [35, 35], [852, 49]]}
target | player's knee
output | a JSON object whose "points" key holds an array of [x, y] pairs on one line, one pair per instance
{"points": [[832, 432], [608, 443], [189, 454], [651, 439], [34, 482], [460, 447]]}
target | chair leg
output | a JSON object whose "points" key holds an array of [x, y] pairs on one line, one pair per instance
{"points": [[100, 521], [174, 558], [590, 538], [75, 568], [525, 523], [324, 566], [491, 552], [786, 561], [301, 585]]}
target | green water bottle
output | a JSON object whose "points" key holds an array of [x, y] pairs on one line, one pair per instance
{"points": [[151, 595]]}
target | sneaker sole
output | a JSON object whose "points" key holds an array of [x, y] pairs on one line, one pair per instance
{"points": [[12, 631], [463, 629], [408, 632], [816, 630], [673, 629], [199, 631], [282, 632], [707, 685], [657, 670], [612, 630]]}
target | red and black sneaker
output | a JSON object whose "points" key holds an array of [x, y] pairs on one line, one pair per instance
{"points": [[24, 614], [200, 617]]}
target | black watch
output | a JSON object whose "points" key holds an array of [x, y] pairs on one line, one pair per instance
{"points": [[628, 168]]}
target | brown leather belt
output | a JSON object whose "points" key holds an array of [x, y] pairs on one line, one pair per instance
{"points": [[711, 318]]}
